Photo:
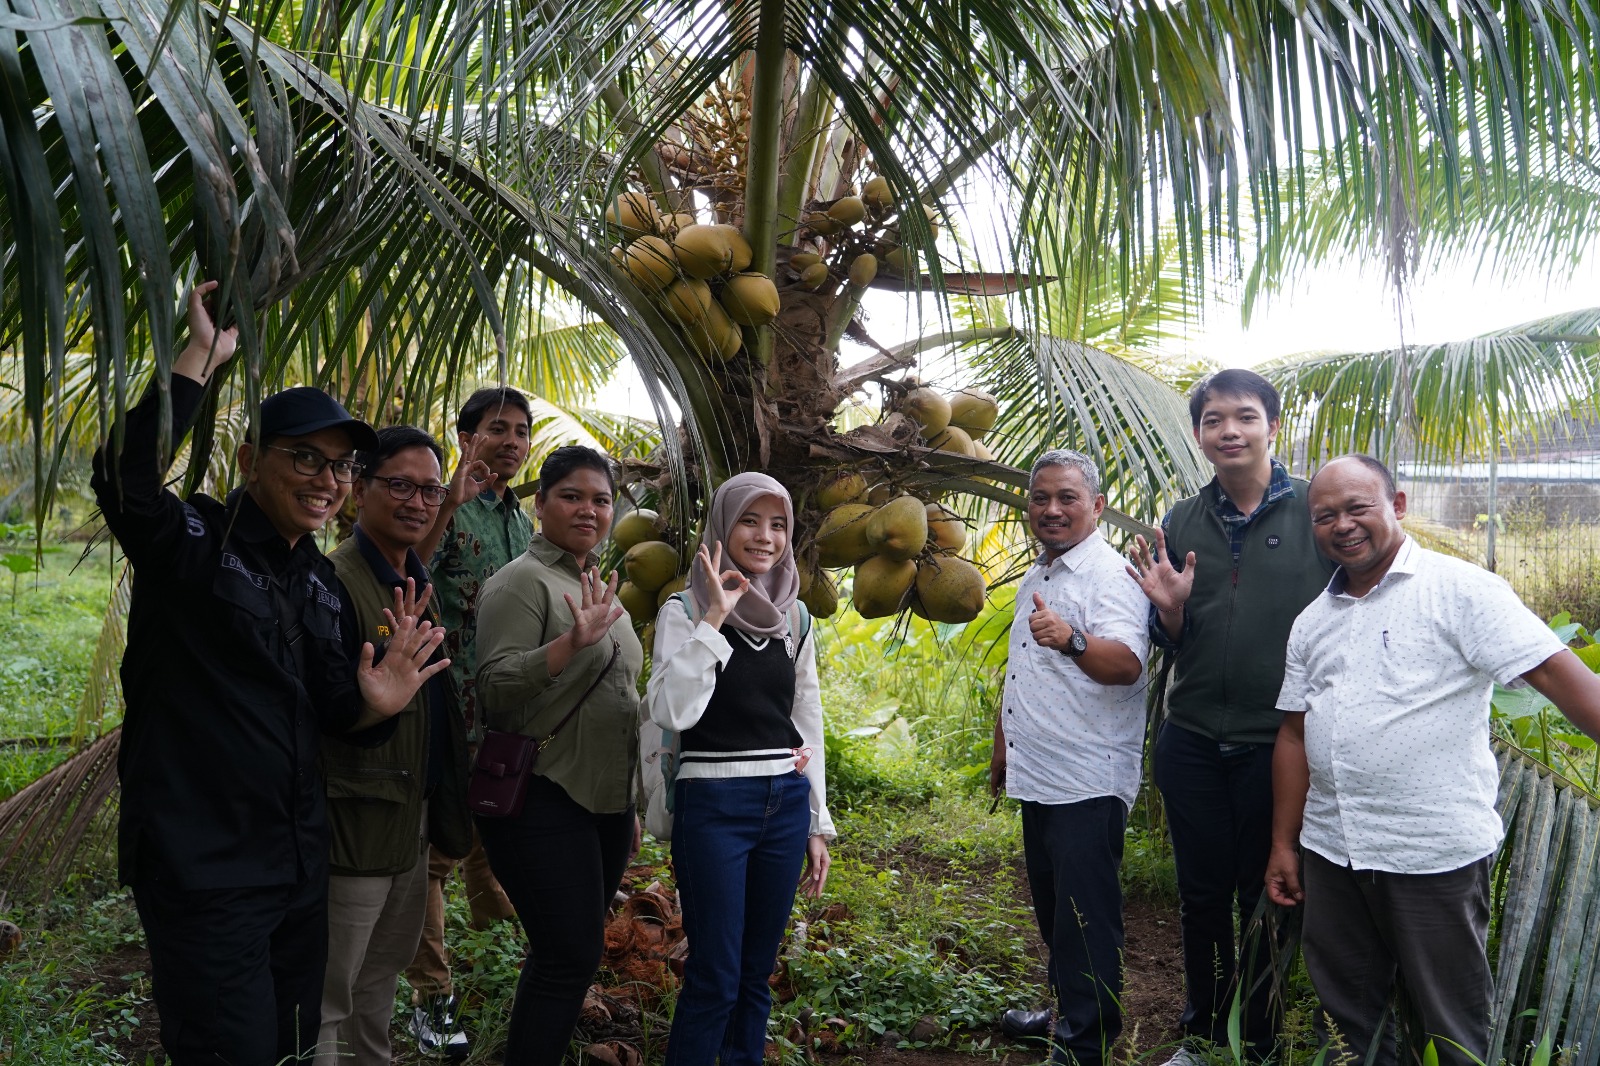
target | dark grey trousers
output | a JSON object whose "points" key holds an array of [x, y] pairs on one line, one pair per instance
{"points": [[1364, 927]]}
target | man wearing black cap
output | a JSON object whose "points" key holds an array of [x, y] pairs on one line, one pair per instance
{"points": [[235, 663]]}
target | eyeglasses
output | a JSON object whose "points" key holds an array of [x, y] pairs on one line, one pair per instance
{"points": [[401, 489], [310, 463]]}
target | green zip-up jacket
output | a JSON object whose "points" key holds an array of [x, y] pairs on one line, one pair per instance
{"points": [[1229, 661], [375, 794]]}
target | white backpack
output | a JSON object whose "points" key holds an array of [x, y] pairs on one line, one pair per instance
{"points": [[659, 748]]}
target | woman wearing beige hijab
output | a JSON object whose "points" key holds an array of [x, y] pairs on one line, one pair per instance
{"points": [[736, 676]]}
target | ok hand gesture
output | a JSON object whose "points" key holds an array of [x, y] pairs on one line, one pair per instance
{"points": [[724, 588], [593, 617], [472, 475], [1163, 585]]}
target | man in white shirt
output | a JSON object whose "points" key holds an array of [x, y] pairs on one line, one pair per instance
{"points": [[1383, 773], [1068, 744]]}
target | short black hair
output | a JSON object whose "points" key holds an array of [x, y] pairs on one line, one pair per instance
{"points": [[393, 440], [560, 464], [1233, 383], [480, 403], [1385, 476]]}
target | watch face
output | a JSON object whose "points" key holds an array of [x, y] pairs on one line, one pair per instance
{"points": [[1076, 645]]}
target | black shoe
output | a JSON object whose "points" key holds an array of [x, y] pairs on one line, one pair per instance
{"points": [[1022, 1024], [437, 1031]]}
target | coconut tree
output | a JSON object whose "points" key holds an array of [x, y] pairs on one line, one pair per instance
{"points": [[376, 183]]}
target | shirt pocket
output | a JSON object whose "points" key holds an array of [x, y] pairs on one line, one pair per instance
{"points": [[364, 804], [1407, 671]]}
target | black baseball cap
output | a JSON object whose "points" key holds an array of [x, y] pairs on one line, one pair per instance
{"points": [[303, 410]]}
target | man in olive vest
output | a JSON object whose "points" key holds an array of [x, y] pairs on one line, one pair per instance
{"points": [[1230, 569], [386, 804]]}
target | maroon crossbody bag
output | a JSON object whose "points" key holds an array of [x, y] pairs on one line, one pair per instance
{"points": [[499, 780]]}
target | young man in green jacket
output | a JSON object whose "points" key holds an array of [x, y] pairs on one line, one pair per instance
{"points": [[387, 804], [1246, 565]]}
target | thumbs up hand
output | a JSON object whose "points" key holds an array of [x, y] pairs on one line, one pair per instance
{"points": [[1047, 627]]}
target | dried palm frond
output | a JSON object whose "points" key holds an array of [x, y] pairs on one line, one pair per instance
{"points": [[1547, 987]]}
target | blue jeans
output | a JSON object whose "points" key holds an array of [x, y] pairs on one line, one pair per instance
{"points": [[738, 845], [1219, 811]]}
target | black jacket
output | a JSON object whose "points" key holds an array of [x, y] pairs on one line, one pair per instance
{"points": [[234, 665]]}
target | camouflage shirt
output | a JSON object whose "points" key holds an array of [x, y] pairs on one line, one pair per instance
{"points": [[486, 533]]}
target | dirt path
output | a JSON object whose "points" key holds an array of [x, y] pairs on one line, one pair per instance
{"points": [[1152, 998]]}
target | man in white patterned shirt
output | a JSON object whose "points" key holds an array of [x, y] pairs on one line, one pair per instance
{"points": [[1068, 744], [1383, 773]]}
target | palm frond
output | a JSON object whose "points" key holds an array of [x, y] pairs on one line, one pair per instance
{"points": [[1060, 393], [1468, 397]]}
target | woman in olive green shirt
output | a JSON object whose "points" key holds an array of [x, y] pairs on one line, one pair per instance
{"points": [[547, 627]]}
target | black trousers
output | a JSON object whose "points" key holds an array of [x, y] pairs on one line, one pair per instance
{"points": [[236, 973], [1073, 852], [1219, 810], [559, 864], [1362, 927]]}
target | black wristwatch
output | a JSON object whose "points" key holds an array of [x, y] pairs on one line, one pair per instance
{"points": [[1076, 645]]}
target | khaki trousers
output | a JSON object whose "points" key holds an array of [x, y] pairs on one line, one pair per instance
{"points": [[373, 927], [429, 972]]}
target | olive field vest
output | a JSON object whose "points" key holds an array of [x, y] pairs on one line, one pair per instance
{"points": [[375, 794], [1229, 665]]}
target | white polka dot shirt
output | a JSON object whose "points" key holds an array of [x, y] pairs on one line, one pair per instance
{"points": [[1395, 687], [1068, 737]]}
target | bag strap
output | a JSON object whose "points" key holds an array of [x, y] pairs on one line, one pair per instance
{"points": [[616, 649]]}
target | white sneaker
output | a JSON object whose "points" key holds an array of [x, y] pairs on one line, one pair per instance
{"points": [[437, 1031], [1186, 1056]]}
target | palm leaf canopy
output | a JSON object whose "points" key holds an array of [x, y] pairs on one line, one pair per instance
{"points": [[379, 185], [1442, 401]]}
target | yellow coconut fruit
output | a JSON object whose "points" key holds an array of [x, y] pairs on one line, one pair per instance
{"points": [[880, 494], [899, 529], [931, 410], [678, 220], [895, 259], [640, 605], [821, 596], [950, 589], [863, 268], [846, 486], [703, 251], [711, 337], [667, 591], [842, 537], [687, 301], [800, 260], [954, 439], [848, 210], [974, 411], [981, 450], [750, 299], [823, 224], [814, 276], [619, 256], [635, 527], [876, 193], [651, 264], [634, 213], [945, 528], [742, 253], [881, 585], [651, 564]]}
